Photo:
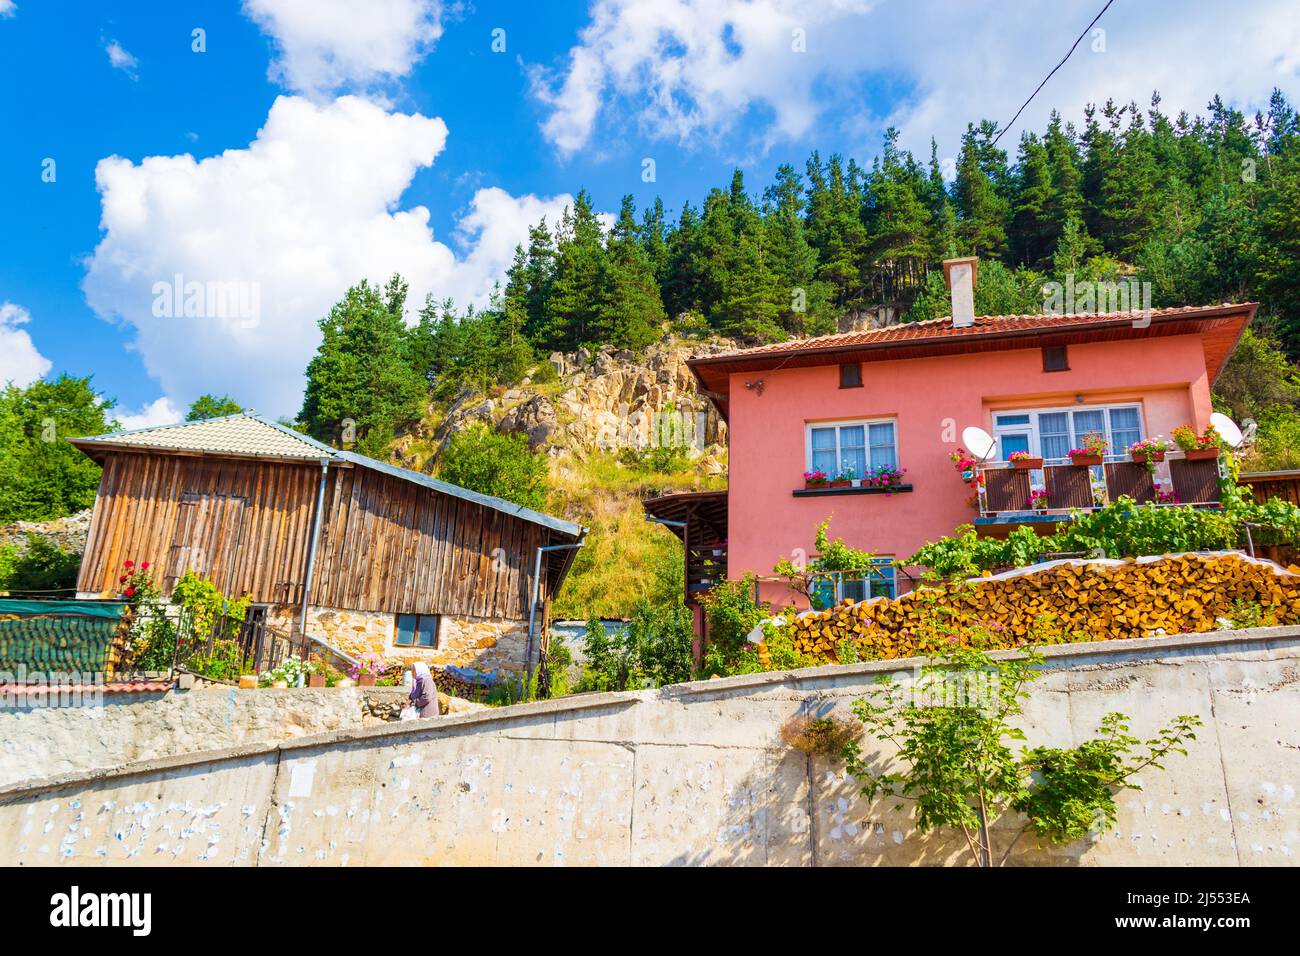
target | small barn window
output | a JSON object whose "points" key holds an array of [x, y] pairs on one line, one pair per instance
{"points": [[851, 375], [1055, 359], [417, 630]]}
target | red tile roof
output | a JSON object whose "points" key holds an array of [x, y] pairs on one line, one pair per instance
{"points": [[1219, 326], [984, 325]]}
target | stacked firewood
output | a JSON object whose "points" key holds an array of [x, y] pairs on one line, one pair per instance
{"points": [[1060, 602]]}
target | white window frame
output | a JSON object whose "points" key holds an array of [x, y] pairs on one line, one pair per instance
{"points": [[866, 424], [1035, 445]]}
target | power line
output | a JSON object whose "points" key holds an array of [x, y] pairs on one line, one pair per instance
{"points": [[1054, 69]]}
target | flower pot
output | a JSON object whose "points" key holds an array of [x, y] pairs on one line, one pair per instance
{"points": [[814, 484], [1142, 457], [280, 684], [1026, 464], [840, 484], [366, 680], [1085, 461], [248, 682], [316, 680], [1201, 454]]}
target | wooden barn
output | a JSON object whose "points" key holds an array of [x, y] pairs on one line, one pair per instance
{"points": [[357, 553]]}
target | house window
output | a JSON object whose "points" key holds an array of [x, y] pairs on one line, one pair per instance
{"points": [[1050, 433], [851, 375], [417, 630], [880, 581], [1055, 359], [851, 447]]}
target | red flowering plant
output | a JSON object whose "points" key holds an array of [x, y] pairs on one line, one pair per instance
{"points": [[152, 641], [137, 583]]}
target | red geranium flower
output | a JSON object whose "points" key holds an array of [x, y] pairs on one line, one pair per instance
{"points": [[122, 579], [144, 565], [128, 564], [130, 592]]}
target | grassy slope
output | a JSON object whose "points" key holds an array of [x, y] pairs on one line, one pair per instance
{"points": [[617, 566]]}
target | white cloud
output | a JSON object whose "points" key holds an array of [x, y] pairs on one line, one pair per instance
{"points": [[20, 363], [120, 59], [326, 45], [308, 209], [688, 70], [158, 412], [8, 8]]}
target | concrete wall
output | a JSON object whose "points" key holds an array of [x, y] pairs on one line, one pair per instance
{"points": [[36, 742], [692, 774]]}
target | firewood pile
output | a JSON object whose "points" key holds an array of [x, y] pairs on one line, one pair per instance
{"points": [[1059, 602]]}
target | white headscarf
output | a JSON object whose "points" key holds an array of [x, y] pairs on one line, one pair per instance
{"points": [[421, 669]]}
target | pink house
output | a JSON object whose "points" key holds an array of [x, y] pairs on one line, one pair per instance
{"points": [[900, 397]]}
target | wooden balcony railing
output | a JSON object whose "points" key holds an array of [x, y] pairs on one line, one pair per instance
{"points": [[1176, 481]]}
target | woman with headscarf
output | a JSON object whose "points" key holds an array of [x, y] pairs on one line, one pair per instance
{"points": [[424, 692]]}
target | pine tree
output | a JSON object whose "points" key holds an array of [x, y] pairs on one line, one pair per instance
{"points": [[982, 210], [836, 230], [361, 371], [538, 277], [1032, 236], [794, 261], [631, 313], [574, 303]]}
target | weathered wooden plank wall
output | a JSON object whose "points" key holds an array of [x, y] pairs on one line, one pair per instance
{"points": [[386, 544]]}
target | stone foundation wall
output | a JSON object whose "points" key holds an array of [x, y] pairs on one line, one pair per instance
{"points": [[480, 643]]}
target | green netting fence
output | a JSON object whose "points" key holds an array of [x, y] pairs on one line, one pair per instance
{"points": [[58, 636]]}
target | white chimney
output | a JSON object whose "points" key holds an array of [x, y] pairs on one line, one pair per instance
{"points": [[960, 276]]}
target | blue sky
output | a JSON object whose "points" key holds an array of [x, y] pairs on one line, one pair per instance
{"points": [[310, 144]]}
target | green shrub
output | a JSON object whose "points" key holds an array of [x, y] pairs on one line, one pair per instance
{"points": [[41, 566], [1122, 529], [494, 464], [732, 613]]}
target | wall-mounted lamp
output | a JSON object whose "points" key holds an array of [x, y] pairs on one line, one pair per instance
{"points": [[755, 386], [1078, 399]]}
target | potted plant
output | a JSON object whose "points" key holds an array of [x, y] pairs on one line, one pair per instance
{"points": [[1023, 461], [316, 673], [884, 476], [1092, 452], [1163, 497], [367, 670], [814, 479], [1148, 451], [843, 480], [1194, 446], [1038, 501]]}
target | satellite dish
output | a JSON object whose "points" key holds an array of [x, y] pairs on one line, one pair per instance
{"points": [[978, 442], [1227, 429]]}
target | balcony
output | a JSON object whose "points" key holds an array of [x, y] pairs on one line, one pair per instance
{"points": [[1009, 496]]}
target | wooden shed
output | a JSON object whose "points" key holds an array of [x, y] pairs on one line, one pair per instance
{"points": [[358, 553]]}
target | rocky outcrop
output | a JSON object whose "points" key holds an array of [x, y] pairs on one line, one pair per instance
{"points": [[605, 400], [66, 534]]}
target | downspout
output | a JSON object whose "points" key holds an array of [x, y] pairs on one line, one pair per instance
{"points": [[532, 607], [311, 553]]}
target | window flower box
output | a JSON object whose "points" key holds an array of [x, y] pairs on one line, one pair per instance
{"points": [[1023, 461], [814, 479], [840, 483], [1197, 447], [1038, 501], [1147, 452], [1092, 452]]}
